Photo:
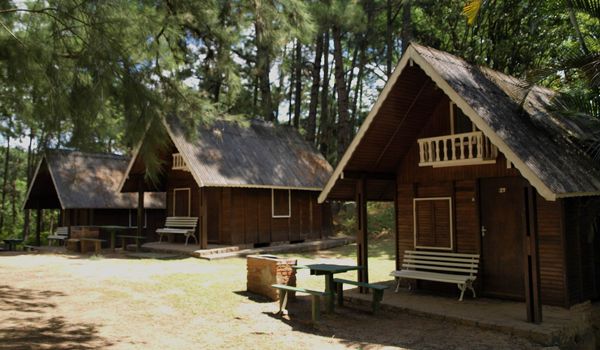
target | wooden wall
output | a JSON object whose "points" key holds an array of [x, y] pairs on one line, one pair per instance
{"points": [[243, 215], [462, 183]]}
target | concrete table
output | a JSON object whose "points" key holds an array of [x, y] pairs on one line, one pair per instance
{"points": [[328, 270], [12, 243]]}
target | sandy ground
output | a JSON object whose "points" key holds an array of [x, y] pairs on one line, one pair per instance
{"points": [[75, 302]]}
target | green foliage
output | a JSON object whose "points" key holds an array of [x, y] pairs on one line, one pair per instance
{"points": [[380, 222]]}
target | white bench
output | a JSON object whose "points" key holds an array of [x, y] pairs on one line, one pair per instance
{"points": [[60, 235], [183, 225], [439, 267]]}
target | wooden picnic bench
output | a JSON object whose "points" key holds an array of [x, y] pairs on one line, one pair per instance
{"points": [[96, 241], [439, 267], [60, 235], [138, 241], [315, 298], [183, 225], [376, 288]]}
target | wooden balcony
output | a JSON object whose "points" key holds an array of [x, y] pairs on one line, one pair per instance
{"points": [[179, 163], [470, 148]]}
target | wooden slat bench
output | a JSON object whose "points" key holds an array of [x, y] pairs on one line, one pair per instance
{"points": [[182, 225], [138, 241], [97, 244], [60, 235], [440, 267], [376, 288], [315, 298]]}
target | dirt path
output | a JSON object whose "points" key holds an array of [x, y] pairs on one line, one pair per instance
{"points": [[70, 302]]}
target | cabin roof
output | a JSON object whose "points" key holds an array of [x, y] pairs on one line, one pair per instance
{"points": [[254, 153], [513, 115], [77, 180]]}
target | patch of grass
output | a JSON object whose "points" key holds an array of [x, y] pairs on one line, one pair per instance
{"points": [[380, 219]]}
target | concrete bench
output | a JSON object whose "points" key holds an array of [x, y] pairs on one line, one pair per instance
{"points": [[315, 298], [183, 225], [138, 241], [439, 267], [376, 288], [60, 235]]}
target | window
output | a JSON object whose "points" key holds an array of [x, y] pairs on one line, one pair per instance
{"points": [[459, 122], [133, 218], [281, 203], [182, 200], [433, 223]]}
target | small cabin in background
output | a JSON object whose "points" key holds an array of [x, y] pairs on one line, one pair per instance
{"points": [[475, 163], [249, 183], [84, 188]]}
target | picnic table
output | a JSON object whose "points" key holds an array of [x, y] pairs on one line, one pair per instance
{"points": [[112, 229], [12, 243], [328, 270]]}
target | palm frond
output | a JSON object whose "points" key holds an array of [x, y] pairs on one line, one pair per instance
{"points": [[591, 7], [471, 10]]}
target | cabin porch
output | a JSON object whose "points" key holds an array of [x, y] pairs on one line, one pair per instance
{"points": [[561, 326], [220, 251]]}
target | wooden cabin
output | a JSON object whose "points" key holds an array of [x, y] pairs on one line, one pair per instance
{"points": [[475, 163], [83, 187], [249, 183]]}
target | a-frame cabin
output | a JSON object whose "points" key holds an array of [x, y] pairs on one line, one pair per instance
{"points": [[84, 188], [475, 163], [248, 183]]}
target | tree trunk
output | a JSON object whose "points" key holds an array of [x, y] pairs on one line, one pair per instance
{"points": [[406, 24], [5, 179], [298, 88], [325, 96], [343, 134], [263, 67], [389, 42], [29, 174], [311, 126]]}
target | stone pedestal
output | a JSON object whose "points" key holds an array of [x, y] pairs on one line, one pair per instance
{"points": [[265, 270]]}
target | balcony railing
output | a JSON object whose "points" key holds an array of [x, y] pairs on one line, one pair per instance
{"points": [[469, 148], [179, 163]]}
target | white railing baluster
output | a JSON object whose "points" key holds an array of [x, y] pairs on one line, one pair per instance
{"points": [[473, 147]]}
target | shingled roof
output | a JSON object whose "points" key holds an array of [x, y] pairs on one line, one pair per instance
{"points": [[84, 181], [251, 153], [513, 115]]}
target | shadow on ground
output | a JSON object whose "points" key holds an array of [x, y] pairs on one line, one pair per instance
{"points": [[34, 325]]}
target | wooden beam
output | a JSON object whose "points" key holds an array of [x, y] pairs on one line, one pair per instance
{"points": [[38, 227], [397, 231], [362, 233], [203, 227], [140, 210], [357, 175], [531, 266]]}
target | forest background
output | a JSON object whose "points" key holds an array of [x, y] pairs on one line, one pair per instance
{"points": [[85, 75]]}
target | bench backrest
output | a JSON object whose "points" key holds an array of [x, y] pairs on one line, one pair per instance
{"points": [[442, 262], [62, 231], [181, 222]]}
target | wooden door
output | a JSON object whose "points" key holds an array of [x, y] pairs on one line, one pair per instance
{"points": [[502, 229]]}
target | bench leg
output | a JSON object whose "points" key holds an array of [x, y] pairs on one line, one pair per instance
{"points": [[160, 237], [316, 308], [397, 285], [377, 298], [462, 288], [283, 298], [470, 286], [340, 293]]}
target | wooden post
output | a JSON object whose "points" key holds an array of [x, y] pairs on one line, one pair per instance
{"points": [[397, 235], [531, 266], [38, 227], [140, 210], [362, 233], [203, 224]]}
